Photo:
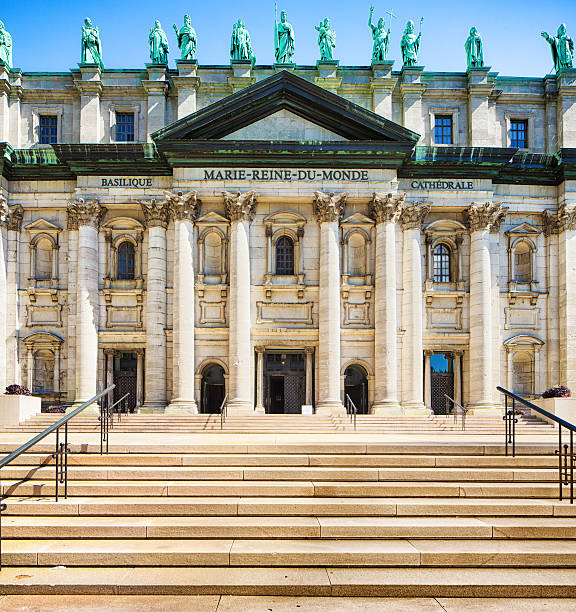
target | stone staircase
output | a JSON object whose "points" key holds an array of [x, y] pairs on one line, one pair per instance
{"points": [[279, 423], [305, 517]]}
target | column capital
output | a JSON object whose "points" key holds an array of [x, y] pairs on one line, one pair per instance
{"points": [[413, 214], [10, 216], [183, 206], [564, 219], [84, 212], [309, 350], [386, 207], [109, 351], [259, 349], [240, 206], [485, 216], [428, 352], [329, 207], [156, 213]]}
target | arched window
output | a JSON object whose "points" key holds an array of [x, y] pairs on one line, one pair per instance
{"points": [[43, 260], [284, 256], [126, 258], [441, 263], [356, 255], [212, 254], [523, 373], [523, 263]]}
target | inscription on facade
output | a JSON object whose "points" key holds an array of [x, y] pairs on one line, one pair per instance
{"points": [[442, 185], [126, 181], [283, 174]]}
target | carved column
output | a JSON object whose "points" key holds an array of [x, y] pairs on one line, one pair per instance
{"points": [[565, 225], [309, 351], [139, 377], [4, 220], [240, 210], [156, 215], [14, 224], [56, 382], [481, 218], [386, 210], [457, 377], [109, 372], [184, 208], [328, 209], [85, 216], [260, 380], [412, 350], [30, 368]]}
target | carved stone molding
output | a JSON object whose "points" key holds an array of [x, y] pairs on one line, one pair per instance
{"points": [[386, 207], [14, 221], [309, 350], [4, 211], [329, 207], [562, 221], [240, 206], [84, 212], [487, 216], [156, 213], [413, 215], [184, 206]]}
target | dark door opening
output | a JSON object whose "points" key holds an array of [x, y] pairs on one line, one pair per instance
{"points": [[356, 387], [441, 383], [284, 382], [213, 389], [125, 378]]}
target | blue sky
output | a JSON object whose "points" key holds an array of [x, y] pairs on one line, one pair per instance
{"points": [[46, 35]]}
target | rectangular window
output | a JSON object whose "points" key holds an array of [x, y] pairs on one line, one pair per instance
{"points": [[125, 127], [519, 133], [443, 129], [48, 129]]}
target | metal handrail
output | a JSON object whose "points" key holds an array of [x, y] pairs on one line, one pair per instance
{"points": [[60, 454], [351, 409], [107, 421], [464, 411], [223, 411], [565, 452]]}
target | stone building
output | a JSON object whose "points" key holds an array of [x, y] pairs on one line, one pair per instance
{"points": [[287, 238]]}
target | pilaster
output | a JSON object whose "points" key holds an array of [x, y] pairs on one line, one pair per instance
{"points": [[566, 108], [412, 90], [411, 218], [386, 210], [14, 225], [5, 90], [186, 83], [4, 220], [156, 88], [480, 125], [157, 215], [240, 208], [90, 88], [328, 209], [382, 84]]}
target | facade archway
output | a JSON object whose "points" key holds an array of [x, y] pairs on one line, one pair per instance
{"points": [[213, 388], [356, 387]]}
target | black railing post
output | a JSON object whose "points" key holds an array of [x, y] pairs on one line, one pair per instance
{"points": [[57, 467], [560, 461], [2, 508], [514, 421], [505, 417], [571, 467], [66, 450]]}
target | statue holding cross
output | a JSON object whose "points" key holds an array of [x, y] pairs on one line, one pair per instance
{"points": [[381, 37]]}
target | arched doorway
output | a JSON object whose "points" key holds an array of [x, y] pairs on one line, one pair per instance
{"points": [[356, 387], [213, 388]]}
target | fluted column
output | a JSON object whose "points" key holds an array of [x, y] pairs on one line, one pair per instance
{"points": [[412, 350], [386, 209], [184, 209], [239, 209], [14, 224], [328, 209], [481, 218], [157, 215], [85, 216]]}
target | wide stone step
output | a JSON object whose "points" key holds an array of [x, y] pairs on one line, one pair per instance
{"points": [[292, 581], [236, 527], [287, 506], [291, 552]]}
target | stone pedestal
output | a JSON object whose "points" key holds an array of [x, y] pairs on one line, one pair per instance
{"points": [[239, 208], [412, 90], [386, 209], [15, 409], [157, 215], [480, 123], [187, 83], [184, 209], [382, 86], [90, 88], [412, 348], [481, 218], [563, 407], [85, 216], [328, 209], [156, 87]]}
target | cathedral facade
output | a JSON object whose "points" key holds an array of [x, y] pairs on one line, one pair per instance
{"points": [[284, 241]]}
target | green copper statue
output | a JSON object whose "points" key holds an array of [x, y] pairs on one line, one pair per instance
{"points": [[283, 40], [187, 39], [562, 48], [474, 51], [241, 44], [91, 46], [410, 44], [326, 40], [5, 46], [158, 44], [381, 37]]}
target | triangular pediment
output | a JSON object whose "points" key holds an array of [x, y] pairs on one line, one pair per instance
{"points": [[523, 228], [212, 218], [286, 96], [42, 225]]}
